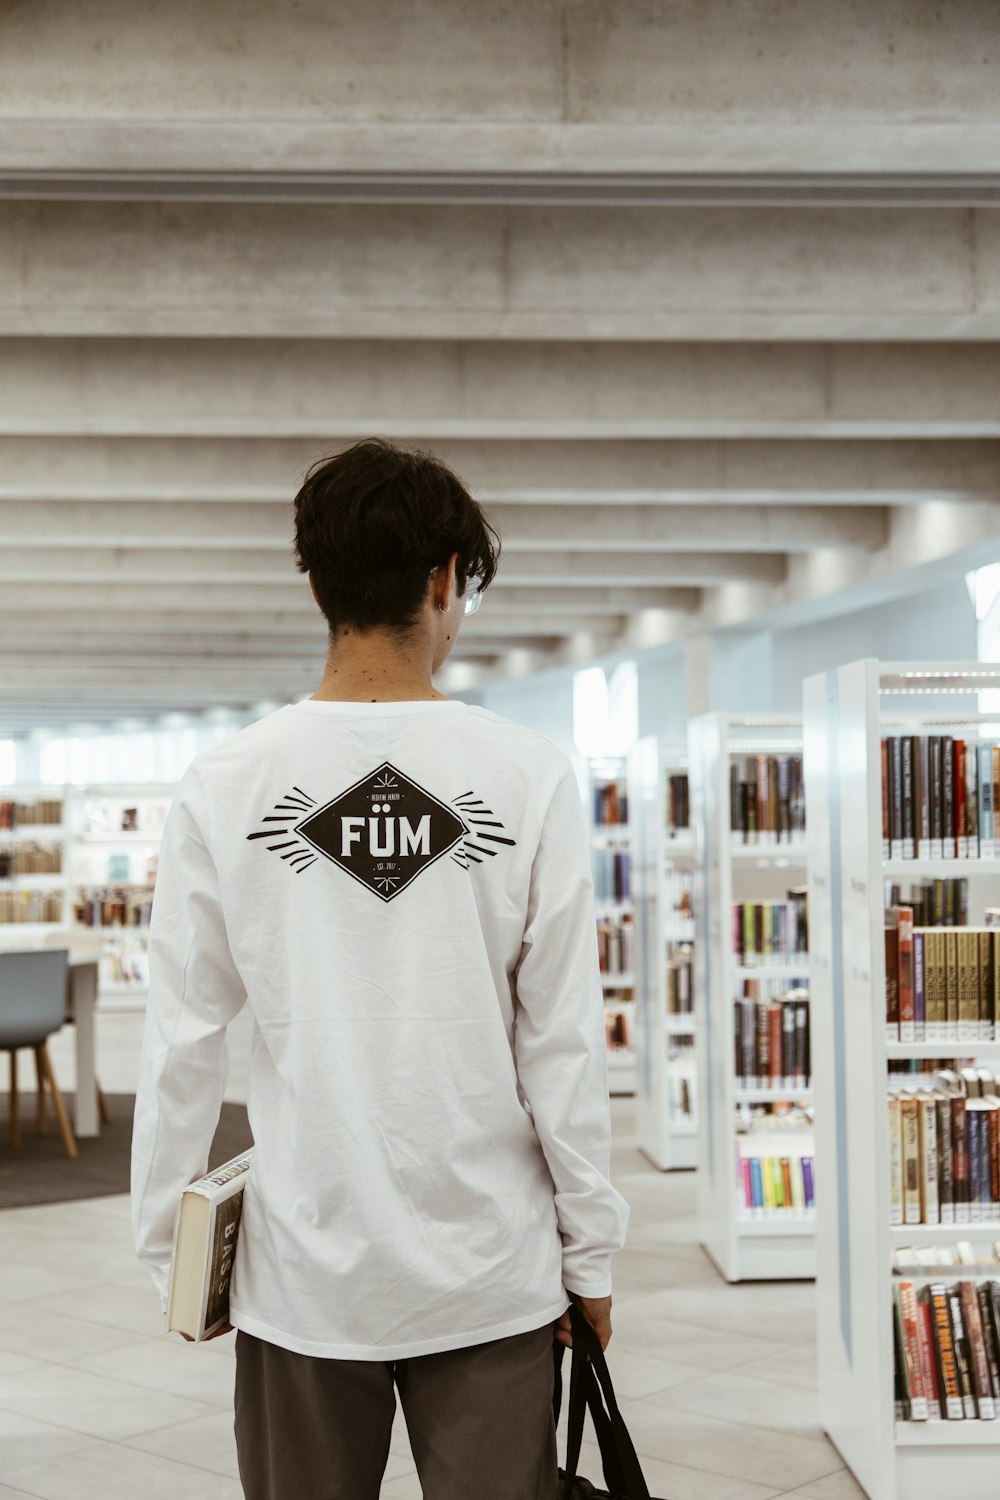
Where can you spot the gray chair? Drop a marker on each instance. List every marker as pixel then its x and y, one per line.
pixel 33 1006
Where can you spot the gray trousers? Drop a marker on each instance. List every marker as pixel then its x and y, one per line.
pixel 479 1420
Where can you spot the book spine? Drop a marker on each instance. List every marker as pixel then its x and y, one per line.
pixel 775 1023
pixel 911 1346
pixel 927 1124
pixel 896 805
pixel 989 1340
pixel 963 1358
pixel 960 1160
pixel 807 1183
pixel 961 821
pixel 947 797
pixel 892 976
pixel 934 794
pixel 907 1030
pixel 908 810
pixel 925 1336
pixel 911 1161
pixel 886 793
pixel 984 984
pixel 944 1349
pixel 951 975
pixel 973 1120
pixel 919 989
pixel 986 840
pixel 921 766
pixel 757 1184
pixel 972 800
pixel 946 1180
pixel 895 1161
pixel 967 949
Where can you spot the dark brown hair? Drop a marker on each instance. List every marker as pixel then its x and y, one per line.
pixel 370 524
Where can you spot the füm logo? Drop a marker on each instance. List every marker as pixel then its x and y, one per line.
pixel 383 831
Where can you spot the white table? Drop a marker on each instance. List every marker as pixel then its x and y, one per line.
pixel 81 1005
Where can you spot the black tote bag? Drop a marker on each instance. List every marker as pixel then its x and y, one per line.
pixel 590 1389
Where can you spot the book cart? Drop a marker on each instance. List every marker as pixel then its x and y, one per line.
pixel 611 857
pixel 747 1126
pixel 662 869
pixel 847 713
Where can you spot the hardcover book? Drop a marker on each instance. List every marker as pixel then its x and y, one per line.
pixel 205 1234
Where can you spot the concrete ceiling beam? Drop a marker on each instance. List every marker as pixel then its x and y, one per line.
pixel 572 570
pixel 314 391
pixel 677 528
pixel 432 271
pixel 50 467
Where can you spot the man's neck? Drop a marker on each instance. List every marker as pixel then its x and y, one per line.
pixel 377 666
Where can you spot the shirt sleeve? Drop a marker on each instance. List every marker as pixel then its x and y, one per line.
pixel 560 1046
pixel 194 992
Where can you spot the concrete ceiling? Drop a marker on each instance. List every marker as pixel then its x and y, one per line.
pixel 702 300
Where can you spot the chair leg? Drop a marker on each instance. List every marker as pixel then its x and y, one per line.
pixel 15 1123
pixel 42 1123
pixel 102 1107
pixel 65 1129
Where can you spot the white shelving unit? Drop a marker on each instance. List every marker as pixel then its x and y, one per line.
pixel 777 1247
pixel 619 983
pixel 846 713
pixel 14 932
pixel 665 1051
pixel 102 852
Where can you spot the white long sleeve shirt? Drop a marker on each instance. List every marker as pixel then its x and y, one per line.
pixel 401 893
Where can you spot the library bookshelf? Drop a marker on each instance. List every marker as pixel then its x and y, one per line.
pixel 611 858
pixel 772 1242
pixel 108 838
pixel 662 867
pixel 847 713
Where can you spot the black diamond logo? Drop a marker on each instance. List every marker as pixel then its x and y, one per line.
pixel 384 830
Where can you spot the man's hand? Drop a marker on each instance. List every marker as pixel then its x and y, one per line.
pixel 226 1328
pixel 596 1310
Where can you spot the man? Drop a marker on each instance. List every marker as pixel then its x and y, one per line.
pixel 399 885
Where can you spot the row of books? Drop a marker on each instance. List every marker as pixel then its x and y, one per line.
pixel 121 906
pixel 680 981
pixel 615 944
pixel 767 804
pixel 772 1042
pixel 42 810
pixel 939 797
pixel 610 805
pixel 944 1150
pixel 771 932
pixel 678 803
pixel 30 859
pixel 618 1029
pixel 779 1187
pixel 941 983
pixel 612 874
pixel 935 903
pixel 946 1339
pixel 30 906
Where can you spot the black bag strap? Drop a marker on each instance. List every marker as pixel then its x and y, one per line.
pixel 590 1386
pixel 602 1426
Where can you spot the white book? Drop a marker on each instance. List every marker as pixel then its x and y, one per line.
pixel 204 1249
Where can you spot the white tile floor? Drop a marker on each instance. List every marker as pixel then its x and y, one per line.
pixel 97 1403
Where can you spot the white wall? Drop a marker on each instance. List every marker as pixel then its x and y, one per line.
pixel 939 625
